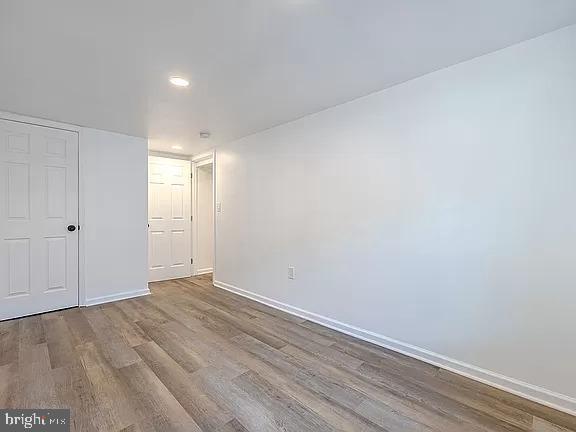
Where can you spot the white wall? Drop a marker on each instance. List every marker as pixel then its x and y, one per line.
pixel 440 213
pixel 205 258
pixel 113 169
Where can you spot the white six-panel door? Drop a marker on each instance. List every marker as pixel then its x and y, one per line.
pixel 169 200
pixel 38 201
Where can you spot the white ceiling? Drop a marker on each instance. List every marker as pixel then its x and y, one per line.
pixel 252 63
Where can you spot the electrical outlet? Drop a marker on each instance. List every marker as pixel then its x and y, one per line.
pixel 291 273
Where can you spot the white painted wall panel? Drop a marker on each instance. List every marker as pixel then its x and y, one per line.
pixel 114 171
pixel 439 212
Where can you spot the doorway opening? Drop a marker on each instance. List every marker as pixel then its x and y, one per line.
pixel 180 216
pixel 203 215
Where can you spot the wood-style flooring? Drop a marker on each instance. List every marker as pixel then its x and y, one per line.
pixel 192 357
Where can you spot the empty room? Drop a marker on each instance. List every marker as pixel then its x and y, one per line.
pixel 288 215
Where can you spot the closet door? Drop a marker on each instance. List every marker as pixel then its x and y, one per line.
pixel 38 219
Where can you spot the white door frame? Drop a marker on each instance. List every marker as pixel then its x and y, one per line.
pixel 198 161
pixel 4 115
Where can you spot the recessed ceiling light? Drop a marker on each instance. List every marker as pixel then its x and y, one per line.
pixel 204 134
pixel 179 81
pixel 177 147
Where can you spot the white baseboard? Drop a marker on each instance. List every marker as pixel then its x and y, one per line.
pixel 531 392
pixel 203 271
pixel 115 297
pixel 171 278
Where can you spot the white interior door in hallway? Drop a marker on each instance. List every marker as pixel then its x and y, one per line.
pixel 169 201
pixel 38 219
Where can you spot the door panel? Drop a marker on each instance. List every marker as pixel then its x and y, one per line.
pixel 55 192
pixel 169 218
pixel 56 262
pixel 18 190
pixel 19 266
pixel 38 255
pixel 179 252
pixel 178 201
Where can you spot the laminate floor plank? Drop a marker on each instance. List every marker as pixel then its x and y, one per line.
pixel 205 412
pixel 327 386
pixel 233 426
pixel 425 385
pixel 155 406
pixel 32 331
pixel 192 357
pixel 8 384
pixel 9 341
pixel 110 338
pixel 131 334
pixel 34 386
pixel 283 327
pixel 223 304
pixel 196 318
pixel 398 377
pixel 399 408
pixel 288 412
pixel 246 407
pixel 249 327
pixel 79 327
pixel 109 406
pixel 74 392
pixel 340 418
pixel 245 304
pixel 181 353
pixel 59 341
pixel 208 346
pixel 212 322
pixel 501 397
pixel 541 425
